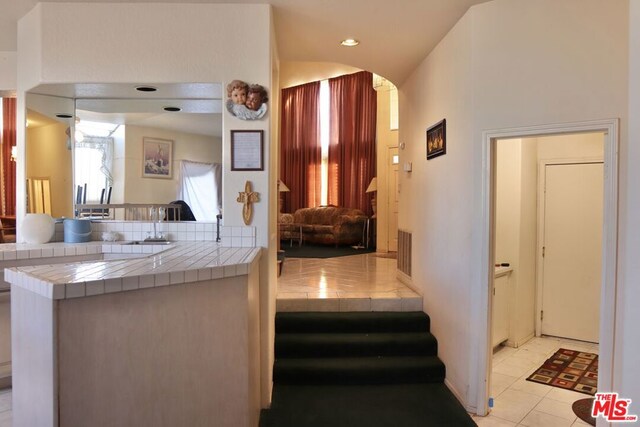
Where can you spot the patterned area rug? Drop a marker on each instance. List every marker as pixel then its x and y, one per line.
pixel 571 370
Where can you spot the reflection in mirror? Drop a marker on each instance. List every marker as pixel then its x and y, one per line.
pixel 48 155
pixel 108 129
pixel 140 153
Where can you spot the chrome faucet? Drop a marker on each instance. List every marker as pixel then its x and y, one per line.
pixel 218 219
pixel 157 215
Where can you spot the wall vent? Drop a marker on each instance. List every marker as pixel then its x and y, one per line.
pixel 404 252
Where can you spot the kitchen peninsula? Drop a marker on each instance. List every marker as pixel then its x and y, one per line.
pixel 142 335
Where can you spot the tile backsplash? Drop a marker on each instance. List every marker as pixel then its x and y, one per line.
pixel 235 236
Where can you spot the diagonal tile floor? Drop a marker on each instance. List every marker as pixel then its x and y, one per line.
pixel 518 402
pixel 353 283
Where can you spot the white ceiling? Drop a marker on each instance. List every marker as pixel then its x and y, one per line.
pixel 395 35
pixel 197 124
pixel 119 103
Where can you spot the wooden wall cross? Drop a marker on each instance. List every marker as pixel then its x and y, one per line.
pixel 248 198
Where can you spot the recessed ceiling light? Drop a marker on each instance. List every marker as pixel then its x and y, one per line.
pixel 64 116
pixel 172 109
pixel 146 88
pixel 350 42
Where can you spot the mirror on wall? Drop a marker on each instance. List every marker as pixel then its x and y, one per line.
pixel 48 155
pixel 137 145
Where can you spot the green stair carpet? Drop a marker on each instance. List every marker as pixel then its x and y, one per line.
pixel 359 369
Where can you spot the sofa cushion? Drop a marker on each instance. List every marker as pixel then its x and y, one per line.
pixel 324 215
pixel 331 224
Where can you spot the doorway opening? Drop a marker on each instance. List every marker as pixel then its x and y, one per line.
pixel 546 294
pixel 367 280
pixel 529 266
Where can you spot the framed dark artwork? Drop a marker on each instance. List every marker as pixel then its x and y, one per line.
pixel 437 139
pixel 247 148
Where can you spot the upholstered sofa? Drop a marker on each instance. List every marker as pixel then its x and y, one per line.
pixel 326 224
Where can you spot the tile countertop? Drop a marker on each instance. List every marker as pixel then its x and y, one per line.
pixel 141 266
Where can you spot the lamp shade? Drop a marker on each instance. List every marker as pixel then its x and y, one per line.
pixel 373 185
pixel 282 188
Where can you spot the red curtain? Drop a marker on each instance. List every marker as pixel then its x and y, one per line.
pixel 300 149
pixel 352 146
pixel 8 166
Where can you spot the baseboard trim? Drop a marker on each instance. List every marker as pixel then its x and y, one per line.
pixel 454 391
pixel 518 343
pixel 406 279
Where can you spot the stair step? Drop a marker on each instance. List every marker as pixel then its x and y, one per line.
pixel 405 405
pixel 359 370
pixel 352 322
pixel 302 345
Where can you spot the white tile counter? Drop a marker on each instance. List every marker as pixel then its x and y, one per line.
pixel 136 266
pixel 85 350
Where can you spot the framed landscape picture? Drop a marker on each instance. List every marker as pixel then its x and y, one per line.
pixel 157 158
pixel 437 139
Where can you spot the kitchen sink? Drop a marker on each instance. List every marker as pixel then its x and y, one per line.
pixel 148 242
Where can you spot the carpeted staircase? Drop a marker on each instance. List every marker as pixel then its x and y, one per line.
pixel 359 369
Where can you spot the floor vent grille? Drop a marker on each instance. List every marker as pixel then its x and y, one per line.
pixel 404 252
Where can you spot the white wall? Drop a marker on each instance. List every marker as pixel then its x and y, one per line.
pixel 508 195
pixel 508 241
pixel 59 44
pixel 507 63
pixel 385 138
pixel 294 73
pixel 523 315
pixel 515 240
pixel 627 372
pixel 436 197
pixel 197 148
pixel 578 146
pixel 8 66
pixel 268 293
pixel 145 43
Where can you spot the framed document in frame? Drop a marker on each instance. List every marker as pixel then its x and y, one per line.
pixel 247 147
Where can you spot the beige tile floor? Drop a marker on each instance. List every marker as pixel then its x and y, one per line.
pixel 518 402
pixel 353 283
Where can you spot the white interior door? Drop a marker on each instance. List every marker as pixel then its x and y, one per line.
pixel 393 199
pixel 572 248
